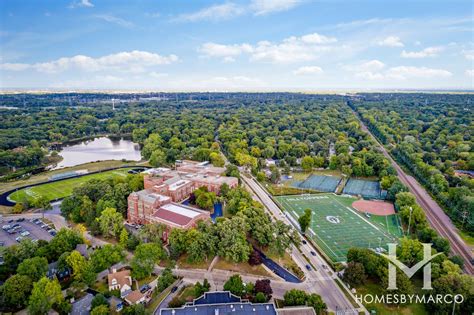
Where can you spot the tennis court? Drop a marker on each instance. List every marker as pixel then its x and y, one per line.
pixel 319 182
pixel 336 226
pixel 364 188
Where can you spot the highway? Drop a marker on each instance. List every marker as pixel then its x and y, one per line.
pixel 434 213
pixel 322 280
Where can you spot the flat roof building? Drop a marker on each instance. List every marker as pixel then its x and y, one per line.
pixel 221 303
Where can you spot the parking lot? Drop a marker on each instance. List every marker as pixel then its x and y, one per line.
pixel 13 231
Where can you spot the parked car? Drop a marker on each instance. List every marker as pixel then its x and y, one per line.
pixel 2 243
pixel 304 242
pixel 173 290
pixel 20 220
pixel 25 233
pixel 144 288
pixel 313 253
pixel 11 231
pixel 6 227
pixel 308 267
pixel 10 221
pixel 39 222
pixel 15 225
pixel 45 226
pixel 18 239
pixel 53 233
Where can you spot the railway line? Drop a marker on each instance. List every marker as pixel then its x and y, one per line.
pixel 434 213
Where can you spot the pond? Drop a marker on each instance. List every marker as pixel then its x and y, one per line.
pixel 98 149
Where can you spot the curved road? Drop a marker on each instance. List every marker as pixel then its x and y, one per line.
pixel 434 213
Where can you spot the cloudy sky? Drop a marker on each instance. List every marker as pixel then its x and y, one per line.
pixel 236 45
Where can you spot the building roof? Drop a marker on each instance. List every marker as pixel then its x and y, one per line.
pixel 148 196
pixel 221 303
pixel 122 277
pixel 82 306
pixel 296 310
pixel 176 214
pixel 134 296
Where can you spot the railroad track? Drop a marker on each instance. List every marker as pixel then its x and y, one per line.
pixel 436 217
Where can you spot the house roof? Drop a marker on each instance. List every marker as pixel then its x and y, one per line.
pixel 122 277
pixel 134 296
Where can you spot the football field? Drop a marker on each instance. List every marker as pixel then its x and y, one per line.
pixel 336 226
pixel 63 188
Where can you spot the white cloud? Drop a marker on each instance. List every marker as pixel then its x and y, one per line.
pixel 468 54
pixel 262 7
pixel 469 73
pixel 290 50
pixel 366 66
pixel 308 70
pixel 114 20
pixel 213 13
pixel 405 72
pixel 427 52
pixel 391 41
pixel 81 3
pixel 228 52
pixel 133 61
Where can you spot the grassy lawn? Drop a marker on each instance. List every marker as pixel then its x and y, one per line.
pixel 467 238
pixel 383 309
pixel 92 167
pixel 100 286
pixel 157 299
pixel 336 226
pixel 287 262
pixel 62 188
pixel 184 264
pixel 241 268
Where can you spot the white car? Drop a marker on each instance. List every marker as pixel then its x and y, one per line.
pixel 6 227
pixel 18 239
pixel 25 233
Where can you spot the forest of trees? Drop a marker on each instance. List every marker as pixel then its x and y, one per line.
pixel 431 135
pixel 247 127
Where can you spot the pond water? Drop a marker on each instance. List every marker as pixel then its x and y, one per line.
pixel 98 149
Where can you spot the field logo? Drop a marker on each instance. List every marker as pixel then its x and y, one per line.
pixel 394 263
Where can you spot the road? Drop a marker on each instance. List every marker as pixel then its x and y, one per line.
pixel 434 213
pixel 321 281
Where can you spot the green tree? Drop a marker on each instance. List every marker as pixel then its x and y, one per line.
pixel 98 300
pixel 146 255
pixel 235 285
pixel 354 274
pixel 83 270
pixel 45 294
pixel 157 158
pixel 35 268
pixel 123 238
pixel 110 222
pixel 100 310
pixel 233 243
pixel 15 291
pixel 307 163
pixel 294 297
pixel 305 220
pixel 165 280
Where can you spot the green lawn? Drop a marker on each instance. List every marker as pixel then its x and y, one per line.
pixel 62 188
pixel 336 226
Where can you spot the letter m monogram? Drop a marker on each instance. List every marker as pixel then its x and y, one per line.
pixel 394 263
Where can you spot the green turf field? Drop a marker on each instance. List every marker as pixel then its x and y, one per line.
pixel 62 188
pixel 336 226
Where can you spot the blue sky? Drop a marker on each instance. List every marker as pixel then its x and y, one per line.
pixel 236 45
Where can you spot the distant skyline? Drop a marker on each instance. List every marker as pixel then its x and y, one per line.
pixel 253 45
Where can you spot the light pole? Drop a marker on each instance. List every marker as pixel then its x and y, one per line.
pixel 409 220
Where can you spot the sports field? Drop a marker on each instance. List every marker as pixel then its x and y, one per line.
pixel 62 188
pixel 336 226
